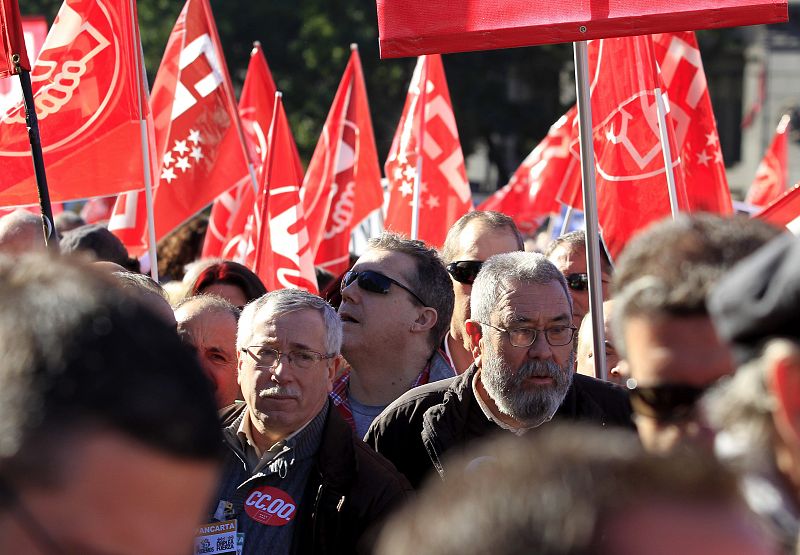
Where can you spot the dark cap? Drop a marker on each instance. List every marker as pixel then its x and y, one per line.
pixel 98 241
pixel 759 298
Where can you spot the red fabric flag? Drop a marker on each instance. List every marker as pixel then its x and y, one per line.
pixel 414 27
pixel 88 97
pixel 35 31
pixel 98 209
pixel 678 57
pixel 531 192
pixel 784 211
pixel 444 191
pixel 771 176
pixel 12 40
pixel 128 221
pixel 255 111
pixel 631 180
pixel 198 140
pixel 343 182
pixel 283 257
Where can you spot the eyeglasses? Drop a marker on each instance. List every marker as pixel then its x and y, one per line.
pixel 557 336
pixel 665 402
pixel 578 282
pixel 465 271
pixel 269 358
pixel 375 282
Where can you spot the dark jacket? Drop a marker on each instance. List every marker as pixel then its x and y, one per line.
pixel 422 425
pixel 352 487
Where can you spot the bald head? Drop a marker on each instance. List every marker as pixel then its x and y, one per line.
pixel 21 232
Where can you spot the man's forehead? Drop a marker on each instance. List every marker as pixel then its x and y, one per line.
pixel 533 302
pixel 478 241
pixel 298 326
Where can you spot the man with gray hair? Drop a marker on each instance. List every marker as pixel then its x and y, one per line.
pixel 521 336
pixel 21 232
pixel 295 480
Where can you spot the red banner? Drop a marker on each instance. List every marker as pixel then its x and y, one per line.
pixel 12 40
pixel 785 211
pixel 771 177
pixel 414 27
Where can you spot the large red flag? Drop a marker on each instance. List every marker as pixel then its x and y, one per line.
pixel 98 209
pixel 198 139
pixel 444 191
pixel 12 40
pixel 631 180
pixel 784 211
pixel 678 56
pixel 255 110
pixel 414 27
pixel 771 176
pixel 88 97
pixel 343 182
pixel 531 192
pixel 35 31
pixel 128 221
pixel 283 256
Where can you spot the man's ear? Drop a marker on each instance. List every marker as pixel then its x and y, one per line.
pixel 783 381
pixel 426 319
pixel 475 335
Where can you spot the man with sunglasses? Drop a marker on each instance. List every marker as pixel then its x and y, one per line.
pixel 661 324
pixel 521 335
pixel 295 480
pixel 476 236
pixel 397 302
pixel 568 253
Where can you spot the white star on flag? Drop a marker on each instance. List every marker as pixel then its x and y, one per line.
pixel 168 174
pixel 183 164
pixel 703 158
pixel 406 189
pixel 432 202
pixel 168 158
pixel 711 139
pixel 180 147
pixel 197 153
pixel 718 156
pixel 194 136
pixel 410 173
pixel 398 173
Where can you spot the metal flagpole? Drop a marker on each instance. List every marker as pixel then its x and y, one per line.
pixel 141 89
pixel 420 153
pixel 590 207
pixel 32 122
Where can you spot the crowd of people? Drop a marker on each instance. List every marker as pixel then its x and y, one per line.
pixel 428 401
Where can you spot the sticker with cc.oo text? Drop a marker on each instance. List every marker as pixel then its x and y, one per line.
pixel 270 506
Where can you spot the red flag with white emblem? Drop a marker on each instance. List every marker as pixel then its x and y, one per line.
pixel 198 140
pixel 631 179
pixel 681 65
pixel 34 30
pixel 531 193
pixel 784 211
pixel 89 100
pixel 771 176
pixel 12 40
pixel 343 182
pixel 255 111
pixel 444 190
pixel 283 256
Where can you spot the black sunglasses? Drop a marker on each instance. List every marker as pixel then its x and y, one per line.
pixel 578 282
pixel 375 282
pixel 666 402
pixel 465 271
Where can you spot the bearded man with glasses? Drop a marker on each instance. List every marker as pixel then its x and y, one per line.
pixel 521 335
pixel 396 306
pixel 295 480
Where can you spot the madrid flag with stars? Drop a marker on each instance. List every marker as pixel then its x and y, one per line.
pixel 198 140
pixel 444 192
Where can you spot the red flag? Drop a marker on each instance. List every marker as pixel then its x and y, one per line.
pixel 414 27
pixel 255 110
pixel 89 100
pixel 12 41
pixel 283 256
pixel 128 221
pixel 98 209
pixel 343 182
pixel 678 56
pixel 531 192
pixel 35 31
pixel 444 191
pixel 784 211
pixel 198 140
pixel 631 181
pixel 771 180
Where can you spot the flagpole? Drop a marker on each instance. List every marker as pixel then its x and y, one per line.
pixel 590 207
pixel 146 163
pixel 267 177
pixel 420 152
pixel 663 133
pixel 32 122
